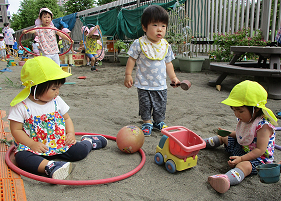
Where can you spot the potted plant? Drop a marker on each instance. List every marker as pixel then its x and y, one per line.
pixel 122 48
pixel 179 35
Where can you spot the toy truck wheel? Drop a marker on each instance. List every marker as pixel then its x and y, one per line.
pixel 170 166
pixel 159 160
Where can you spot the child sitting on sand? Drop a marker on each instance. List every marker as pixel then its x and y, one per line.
pixel 153 56
pixel 252 143
pixel 41 126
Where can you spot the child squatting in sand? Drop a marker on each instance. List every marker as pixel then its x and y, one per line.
pixel 39 122
pixel 153 56
pixel 252 143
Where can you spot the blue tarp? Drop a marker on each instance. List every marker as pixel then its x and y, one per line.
pixel 67 21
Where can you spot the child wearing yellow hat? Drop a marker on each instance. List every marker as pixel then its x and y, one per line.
pixel 40 124
pixel 252 143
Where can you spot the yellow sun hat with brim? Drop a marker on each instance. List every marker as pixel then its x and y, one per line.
pixel 36 71
pixel 250 93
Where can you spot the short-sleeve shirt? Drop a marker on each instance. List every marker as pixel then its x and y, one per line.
pixel 267 157
pixel 92 45
pixel 150 74
pixel 8 35
pixel 42 123
pixel 47 41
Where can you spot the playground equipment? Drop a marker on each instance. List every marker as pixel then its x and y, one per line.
pixel 178 148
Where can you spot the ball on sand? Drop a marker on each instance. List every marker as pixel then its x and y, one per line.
pixel 130 139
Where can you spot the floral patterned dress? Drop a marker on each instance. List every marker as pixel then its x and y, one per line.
pixel 48 129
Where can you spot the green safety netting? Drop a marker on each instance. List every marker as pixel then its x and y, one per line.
pixel 123 22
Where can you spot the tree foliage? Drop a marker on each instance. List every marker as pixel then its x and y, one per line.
pixel 29 11
pixel 101 2
pixel 73 6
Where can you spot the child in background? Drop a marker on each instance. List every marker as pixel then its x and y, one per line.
pixel 60 45
pixel 153 56
pixel 66 43
pixel 35 46
pixel 252 143
pixel 92 46
pixel 84 30
pixel 8 35
pixel 15 47
pixel 47 38
pixel 2 48
pixel 40 124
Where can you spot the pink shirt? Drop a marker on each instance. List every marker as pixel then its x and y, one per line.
pixel 47 41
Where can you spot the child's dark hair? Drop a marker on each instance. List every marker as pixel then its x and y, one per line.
pixel 6 24
pixel 251 108
pixel 43 87
pixel 154 13
pixel 45 13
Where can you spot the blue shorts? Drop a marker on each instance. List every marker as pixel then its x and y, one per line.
pixel 91 55
pixel 235 149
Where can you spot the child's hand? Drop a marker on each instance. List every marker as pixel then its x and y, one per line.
pixel 38 147
pixel 234 160
pixel 70 139
pixel 128 82
pixel 176 82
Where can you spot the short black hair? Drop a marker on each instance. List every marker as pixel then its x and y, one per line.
pixel 43 87
pixel 154 13
pixel 6 24
pixel 45 13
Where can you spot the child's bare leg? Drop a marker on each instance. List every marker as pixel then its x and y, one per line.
pixel 42 166
pixel 93 60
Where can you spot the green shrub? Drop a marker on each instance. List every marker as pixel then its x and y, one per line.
pixel 240 38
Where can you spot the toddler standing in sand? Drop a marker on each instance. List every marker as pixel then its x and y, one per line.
pixel 153 56
pixel 41 126
pixel 252 143
pixel 47 37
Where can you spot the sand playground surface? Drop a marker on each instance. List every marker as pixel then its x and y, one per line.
pixel 102 104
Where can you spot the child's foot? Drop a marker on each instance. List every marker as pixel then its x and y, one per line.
pixel 219 182
pixel 88 64
pixel 58 170
pixel 93 68
pixel 97 141
pixel 146 129
pixel 159 126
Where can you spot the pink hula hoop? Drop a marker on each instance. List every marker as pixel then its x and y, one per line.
pixel 44 28
pixel 74 182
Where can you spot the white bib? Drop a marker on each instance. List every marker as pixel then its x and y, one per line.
pixel 154 51
pixel 245 132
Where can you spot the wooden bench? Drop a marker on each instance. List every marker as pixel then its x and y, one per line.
pixel 274 75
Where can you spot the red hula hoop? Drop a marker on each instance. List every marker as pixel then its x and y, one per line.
pixel 53 28
pixel 74 182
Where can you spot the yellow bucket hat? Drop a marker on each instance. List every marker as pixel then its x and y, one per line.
pixel 250 93
pixel 36 71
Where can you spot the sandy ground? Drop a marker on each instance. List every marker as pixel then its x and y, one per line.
pixel 102 104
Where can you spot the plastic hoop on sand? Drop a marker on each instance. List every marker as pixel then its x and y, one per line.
pixel 74 182
pixel 55 29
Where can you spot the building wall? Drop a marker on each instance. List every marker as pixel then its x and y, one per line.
pixel 4 15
